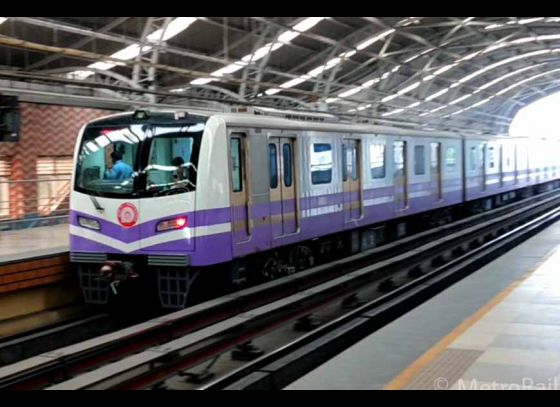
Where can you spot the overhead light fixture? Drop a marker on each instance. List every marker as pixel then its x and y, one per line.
pixel 272 91
pixel 293 82
pixel 229 68
pixel 388 98
pixel 176 26
pixel 437 94
pixel 453 102
pixel 349 92
pixel 307 23
pixel 263 51
pixel 201 81
pixel 392 112
pixel 530 20
pixel 408 88
pixel 287 36
pixel 335 61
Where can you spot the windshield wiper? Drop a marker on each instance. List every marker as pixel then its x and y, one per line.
pixel 96 203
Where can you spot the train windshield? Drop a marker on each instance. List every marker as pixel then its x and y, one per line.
pixel 173 159
pixel 107 159
pixel 138 160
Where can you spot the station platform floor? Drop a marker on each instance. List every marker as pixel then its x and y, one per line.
pixel 34 242
pixel 498 328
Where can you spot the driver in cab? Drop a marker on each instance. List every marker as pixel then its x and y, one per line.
pixel 119 170
pixel 180 173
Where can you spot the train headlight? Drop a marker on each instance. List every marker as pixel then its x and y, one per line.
pixel 89 223
pixel 172 224
pixel 140 115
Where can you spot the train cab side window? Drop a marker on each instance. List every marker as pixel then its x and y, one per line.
pixel 273 166
pixel 377 160
pixel 419 160
pixel 451 159
pixel 236 165
pixel 287 157
pixel 321 163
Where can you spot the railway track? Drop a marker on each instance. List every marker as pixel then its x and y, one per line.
pixel 89 324
pixel 389 280
pixel 295 359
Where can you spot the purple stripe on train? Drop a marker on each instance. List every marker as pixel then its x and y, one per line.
pixel 81 244
pixel 199 218
pixel 212 249
pixel 223 215
pixel 218 248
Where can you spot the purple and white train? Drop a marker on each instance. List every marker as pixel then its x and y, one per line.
pixel 259 196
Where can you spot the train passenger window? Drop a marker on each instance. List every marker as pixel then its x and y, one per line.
pixel 287 155
pixel 321 164
pixel 491 158
pixel 344 164
pixel 273 165
pixel 451 159
pixel 236 168
pixel 349 161
pixel 419 160
pixel 473 158
pixel 377 160
pixel 354 151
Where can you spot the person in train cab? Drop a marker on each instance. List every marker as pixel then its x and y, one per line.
pixel 119 170
pixel 181 173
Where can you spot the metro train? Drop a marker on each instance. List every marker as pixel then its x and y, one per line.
pixel 250 196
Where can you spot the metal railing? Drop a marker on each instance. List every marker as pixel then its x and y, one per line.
pixel 34 202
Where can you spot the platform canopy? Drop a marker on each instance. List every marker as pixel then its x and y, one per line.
pixel 439 72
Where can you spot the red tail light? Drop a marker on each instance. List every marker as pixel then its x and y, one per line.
pixel 171 224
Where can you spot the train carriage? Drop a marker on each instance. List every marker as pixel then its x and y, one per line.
pixel 242 194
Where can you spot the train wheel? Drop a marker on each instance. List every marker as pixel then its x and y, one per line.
pixel 301 257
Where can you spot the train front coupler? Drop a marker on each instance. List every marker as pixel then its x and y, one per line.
pixel 117 273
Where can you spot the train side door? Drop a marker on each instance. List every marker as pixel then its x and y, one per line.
pixel 435 168
pixel 351 179
pixel 283 199
pixel 289 197
pixel 241 225
pixel 400 175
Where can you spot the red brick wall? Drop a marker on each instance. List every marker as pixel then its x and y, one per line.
pixel 46 130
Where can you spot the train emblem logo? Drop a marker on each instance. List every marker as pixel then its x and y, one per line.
pixel 127 215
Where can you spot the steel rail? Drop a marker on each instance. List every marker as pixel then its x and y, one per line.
pixel 159 362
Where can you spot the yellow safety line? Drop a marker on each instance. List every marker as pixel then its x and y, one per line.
pixel 415 367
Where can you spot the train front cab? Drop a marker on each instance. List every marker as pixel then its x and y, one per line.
pixel 138 230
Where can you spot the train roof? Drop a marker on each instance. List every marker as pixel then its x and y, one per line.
pixel 251 120
pixel 275 122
